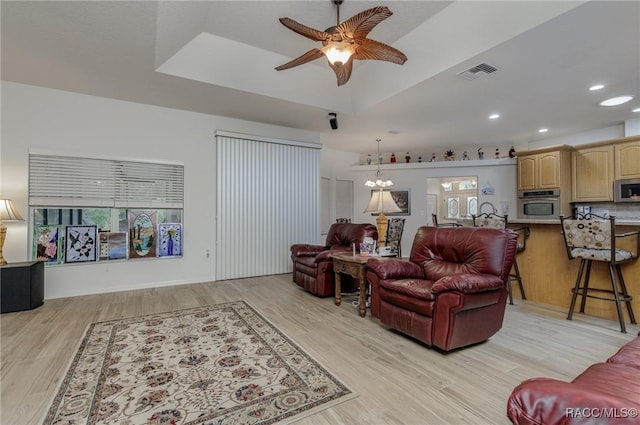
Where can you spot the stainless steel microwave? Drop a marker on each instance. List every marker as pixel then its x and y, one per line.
pixel 627 190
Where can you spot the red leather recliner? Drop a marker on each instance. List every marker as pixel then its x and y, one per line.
pixel 604 393
pixel 312 264
pixel 452 291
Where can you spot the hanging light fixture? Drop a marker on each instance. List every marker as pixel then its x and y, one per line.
pixel 381 201
pixel 345 42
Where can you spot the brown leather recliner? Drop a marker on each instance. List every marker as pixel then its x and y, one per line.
pixel 312 264
pixel 452 291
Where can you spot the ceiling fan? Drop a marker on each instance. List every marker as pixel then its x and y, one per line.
pixel 345 42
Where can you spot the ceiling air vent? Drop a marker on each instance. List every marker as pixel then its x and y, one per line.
pixel 478 71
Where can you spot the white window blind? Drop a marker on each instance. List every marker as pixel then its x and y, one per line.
pixel 70 181
pixel 267 199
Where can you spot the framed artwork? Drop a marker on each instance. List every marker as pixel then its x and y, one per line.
pixel 142 234
pixel 113 246
pixel 453 207
pixel 80 244
pixel 47 244
pixel 402 199
pixel 170 236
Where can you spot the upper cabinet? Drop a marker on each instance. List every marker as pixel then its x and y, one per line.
pixel 545 170
pixel 627 160
pixel 592 174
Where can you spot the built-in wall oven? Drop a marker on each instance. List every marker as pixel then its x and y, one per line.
pixel 539 203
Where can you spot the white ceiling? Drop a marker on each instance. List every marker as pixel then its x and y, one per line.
pixel 217 57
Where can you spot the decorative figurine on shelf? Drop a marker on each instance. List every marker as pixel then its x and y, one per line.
pixel 449 155
pixel 407 158
pixel 393 158
pixel 497 153
pixel 512 152
pixel 369 159
pixel 419 159
pixel 480 153
pixel 465 156
pixel 433 157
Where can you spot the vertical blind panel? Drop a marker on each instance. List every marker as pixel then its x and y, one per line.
pixel 62 181
pixel 267 199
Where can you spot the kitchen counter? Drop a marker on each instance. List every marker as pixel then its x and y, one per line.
pixel 549 276
pixel 619 221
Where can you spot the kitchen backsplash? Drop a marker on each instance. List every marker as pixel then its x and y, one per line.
pixel 622 211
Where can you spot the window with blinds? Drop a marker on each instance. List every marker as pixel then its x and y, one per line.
pixel 70 181
pixel 86 209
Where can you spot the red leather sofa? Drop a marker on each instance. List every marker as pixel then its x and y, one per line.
pixel 312 264
pixel 452 291
pixel 604 394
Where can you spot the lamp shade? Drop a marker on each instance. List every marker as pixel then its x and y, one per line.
pixel 382 201
pixel 8 211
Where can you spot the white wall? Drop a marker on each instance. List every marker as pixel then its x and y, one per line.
pixel 336 165
pixel 68 123
pixel 632 127
pixel 500 174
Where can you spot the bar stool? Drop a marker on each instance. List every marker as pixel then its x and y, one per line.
pixel 496 221
pixel 434 219
pixel 592 238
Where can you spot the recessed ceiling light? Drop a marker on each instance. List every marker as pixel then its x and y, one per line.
pixel 615 101
pixel 596 87
pixel 635 110
pixel 543 130
pixel 394 131
pixel 494 116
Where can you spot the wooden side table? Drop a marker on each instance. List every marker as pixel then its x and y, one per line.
pixel 356 266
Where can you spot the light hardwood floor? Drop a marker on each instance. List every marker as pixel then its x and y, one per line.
pixel 398 380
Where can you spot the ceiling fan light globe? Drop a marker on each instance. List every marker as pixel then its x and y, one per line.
pixel 338 53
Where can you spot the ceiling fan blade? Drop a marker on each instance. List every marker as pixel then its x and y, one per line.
pixel 343 72
pixel 311 55
pixel 304 30
pixel 374 50
pixel 358 26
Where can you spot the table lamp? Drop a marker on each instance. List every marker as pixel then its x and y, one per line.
pixel 7 213
pixel 382 202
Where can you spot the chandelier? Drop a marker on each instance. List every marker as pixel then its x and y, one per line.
pixel 379 180
pixel 381 201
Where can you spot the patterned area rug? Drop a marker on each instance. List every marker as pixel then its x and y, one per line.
pixel 221 364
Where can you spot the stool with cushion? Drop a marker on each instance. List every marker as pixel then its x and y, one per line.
pixel 592 238
pixel 434 219
pixel 495 221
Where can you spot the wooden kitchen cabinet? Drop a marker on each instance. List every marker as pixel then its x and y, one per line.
pixel 592 174
pixel 627 160
pixel 542 170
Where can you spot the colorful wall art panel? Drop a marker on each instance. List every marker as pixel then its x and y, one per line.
pixel 170 235
pixel 80 244
pixel 47 244
pixel 113 245
pixel 142 234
